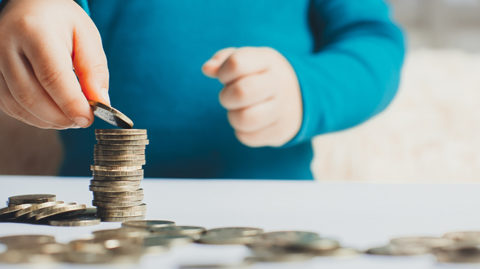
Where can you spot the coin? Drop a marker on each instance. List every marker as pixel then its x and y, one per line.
pixel 123 142
pixel 118 157
pixel 120 148
pixel 102 178
pixel 16 241
pixel 193 231
pixel 134 173
pixel 114 183
pixel 55 211
pixel 79 221
pixel 122 219
pixel 113 189
pixel 121 137
pixel 112 153
pixel 229 236
pixel 24 212
pixel 110 115
pixel 8 212
pixel 122 212
pixel 463 235
pixel 116 204
pixel 120 132
pixel 31 199
pixel 116 199
pixel 120 163
pixel 459 252
pixel 115 169
pixel 117 195
pixel 123 232
pixel 148 224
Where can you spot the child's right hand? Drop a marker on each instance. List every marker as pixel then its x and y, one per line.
pixel 41 43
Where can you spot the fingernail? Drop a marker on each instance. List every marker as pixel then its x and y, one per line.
pixel 81 121
pixel 211 61
pixel 105 96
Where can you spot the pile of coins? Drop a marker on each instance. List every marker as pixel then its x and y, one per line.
pixel 117 173
pixel 452 247
pixel 44 209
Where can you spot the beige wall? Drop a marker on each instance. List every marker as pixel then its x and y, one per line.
pixel 27 150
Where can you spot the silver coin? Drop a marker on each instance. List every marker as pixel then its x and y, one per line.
pixel 135 173
pixel 110 115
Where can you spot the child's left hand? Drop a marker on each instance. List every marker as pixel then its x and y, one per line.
pixel 261 93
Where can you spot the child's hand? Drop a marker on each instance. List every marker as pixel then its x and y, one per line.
pixel 41 43
pixel 261 93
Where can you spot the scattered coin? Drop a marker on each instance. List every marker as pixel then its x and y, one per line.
pixel 58 211
pixel 110 115
pixel 31 199
pixel 230 236
pixel 79 221
pixel 148 224
pixel 9 212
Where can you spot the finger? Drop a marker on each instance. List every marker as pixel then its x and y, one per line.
pixel 52 64
pixel 246 92
pixel 254 118
pixel 210 68
pixel 28 93
pixel 90 63
pixel 268 136
pixel 14 110
pixel 243 62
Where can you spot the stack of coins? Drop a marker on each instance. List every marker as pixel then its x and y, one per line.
pixel 117 173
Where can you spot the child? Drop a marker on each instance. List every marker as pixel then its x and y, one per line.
pixel 289 70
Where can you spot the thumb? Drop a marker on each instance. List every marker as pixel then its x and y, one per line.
pixel 211 67
pixel 90 64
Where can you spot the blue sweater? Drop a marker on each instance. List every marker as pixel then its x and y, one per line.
pixel 347 55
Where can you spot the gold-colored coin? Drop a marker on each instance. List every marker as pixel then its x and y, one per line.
pixel 103 178
pixel 55 211
pixel 115 183
pixel 120 148
pixel 24 212
pixel 97 168
pixel 121 137
pixel 122 219
pixel 18 241
pixel 118 157
pixel 9 211
pixel 84 221
pixel 31 199
pixel 148 224
pixel 123 142
pixel 120 132
pixel 113 189
pixel 116 195
pixel 116 204
pixel 116 164
pixel 112 153
pixel 135 173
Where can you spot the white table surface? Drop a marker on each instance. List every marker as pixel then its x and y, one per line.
pixel 360 215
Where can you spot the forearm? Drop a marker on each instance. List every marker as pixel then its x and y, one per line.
pixel 353 73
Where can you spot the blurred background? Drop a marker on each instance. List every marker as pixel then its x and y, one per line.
pixel 431 132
